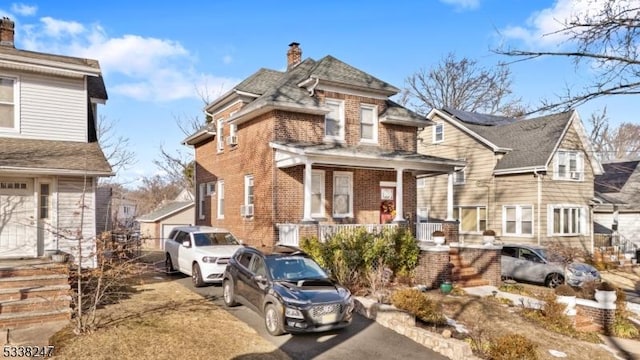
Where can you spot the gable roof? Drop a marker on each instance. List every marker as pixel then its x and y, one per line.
pixel 615 177
pixel 170 208
pixel 335 71
pixel 260 81
pixel 53 157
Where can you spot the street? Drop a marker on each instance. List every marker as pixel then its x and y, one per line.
pixel 363 339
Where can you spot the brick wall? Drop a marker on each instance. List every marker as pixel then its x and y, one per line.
pixel 485 260
pixel 433 268
pixel 450 229
pixel 604 318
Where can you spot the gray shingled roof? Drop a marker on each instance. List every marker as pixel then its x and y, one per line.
pixel 479 119
pixel 397 110
pixel 331 69
pixel 96 87
pixel 260 82
pixel 531 141
pixel 166 210
pixel 55 155
pixel 616 174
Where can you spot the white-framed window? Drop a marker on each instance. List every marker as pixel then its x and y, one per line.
pixel 459 177
pixel 220 134
pixel 438 132
pixel 342 194
pixel 45 196
pixel 368 123
pixel 567 220
pixel 8 103
pixel 220 199
pixel 517 220
pixel 202 192
pixel 317 193
pixel 334 120
pixel 422 214
pixel 568 165
pixel 421 183
pixel 473 219
pixel 210 188
pixel 248 189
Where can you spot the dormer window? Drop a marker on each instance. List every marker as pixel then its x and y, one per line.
pixel 334 120
pixel 438 133
pixel 568 165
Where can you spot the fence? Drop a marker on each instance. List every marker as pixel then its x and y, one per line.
pixel 424 230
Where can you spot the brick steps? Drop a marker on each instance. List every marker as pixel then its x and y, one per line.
pixel 23 319
pixel 31 270
pixel 472 282
pixel 33 281
pixel 464 274
pixel 20 293
pixel 34 304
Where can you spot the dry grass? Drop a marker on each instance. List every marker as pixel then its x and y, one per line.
pixel 164 320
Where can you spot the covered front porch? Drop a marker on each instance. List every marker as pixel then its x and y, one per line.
pixel 340 188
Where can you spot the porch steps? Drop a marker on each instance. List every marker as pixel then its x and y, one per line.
pixel 462 273
pixel 33 294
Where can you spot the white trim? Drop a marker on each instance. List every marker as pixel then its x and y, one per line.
pixel 323 190
pixel 341 120
pixel 374 119
pixel 434 132
pixel 49 65
pixel 166 215
pixel 459 125
pixel 387 184
pixel 421 183
pixel 248 179
pixel 569 175
pixel 455 177
pixel 215 114
pixel 202 189
pixel 477 208
pixel 220 135
pixel 518 220
pixel 322 85
pixel 582 219
pixel 349 175
pixel 16 105
pixel 220 209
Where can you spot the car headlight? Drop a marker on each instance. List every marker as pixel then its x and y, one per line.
pixel 575 272
pixel 345 293
pixel 209 259
pixel 293 313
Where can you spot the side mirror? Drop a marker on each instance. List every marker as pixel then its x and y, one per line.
pixel 259 278
pixel 186 243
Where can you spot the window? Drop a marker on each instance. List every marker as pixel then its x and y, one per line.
pixel 472 218
pixel 369 123
pixel 201 194
pixel 220 199
pixel 517 220
pixel 8 95
pixel 459 177
pixel 45 194
pixel 334 120
pixel 211 188
pixel 245 259
pixel 421 183
pixel 220 134
pixel 258 267
pixel 317 193
pixel 567 220
pixel 342 194
pixel 568 165
pixel 438 132
pixel 510 251
pixel 248 190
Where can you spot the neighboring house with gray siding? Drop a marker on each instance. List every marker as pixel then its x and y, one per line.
pixel 531 181
pixel 50 159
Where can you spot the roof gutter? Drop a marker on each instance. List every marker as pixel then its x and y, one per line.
pixel 51 171
pixel 199 137
pixel 533 169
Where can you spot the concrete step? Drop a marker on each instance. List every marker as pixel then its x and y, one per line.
pixel 20 320
pixel 31 270
pixel 35 304
pixel 33 281
pixel 48 292
pixel 471 282
pixel 463 271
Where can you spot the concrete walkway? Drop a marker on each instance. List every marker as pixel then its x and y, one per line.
pixel 621 348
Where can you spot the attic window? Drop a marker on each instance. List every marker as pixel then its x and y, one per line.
pixel 438 133
pixel 568 165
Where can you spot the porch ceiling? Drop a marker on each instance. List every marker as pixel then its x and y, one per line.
pixel 290 154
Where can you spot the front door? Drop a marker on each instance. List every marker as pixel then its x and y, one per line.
pixel 17 218
pixel 387 204
pixel 45 215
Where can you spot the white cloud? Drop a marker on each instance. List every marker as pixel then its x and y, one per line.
pixel 463 4
pixel 143 68
pixel 23 9
pixel 539 29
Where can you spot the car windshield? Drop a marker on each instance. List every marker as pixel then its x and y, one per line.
pixel 294 268
pixel 550 256
pixel 219 238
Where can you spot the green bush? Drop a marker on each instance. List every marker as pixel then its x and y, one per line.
pixel 417 304
pixel 512 346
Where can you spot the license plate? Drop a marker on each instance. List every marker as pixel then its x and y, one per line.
pixel 329 318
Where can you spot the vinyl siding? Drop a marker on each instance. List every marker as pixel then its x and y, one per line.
pixel 53 108
pixel 628 224
pixel 76 212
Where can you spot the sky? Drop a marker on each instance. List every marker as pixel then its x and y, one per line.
pixel 159 59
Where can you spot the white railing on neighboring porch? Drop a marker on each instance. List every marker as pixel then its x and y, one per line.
pixel 424 230
pixel 326 231
pixel 288 234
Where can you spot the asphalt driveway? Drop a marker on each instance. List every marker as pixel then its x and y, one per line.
pixel 364 339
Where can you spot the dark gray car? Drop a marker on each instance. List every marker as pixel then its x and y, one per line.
pixel 532 263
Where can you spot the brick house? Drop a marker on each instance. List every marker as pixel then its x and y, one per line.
pixel 292 153
pixel 530 180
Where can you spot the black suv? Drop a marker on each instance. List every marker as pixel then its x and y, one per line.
pixel 288 288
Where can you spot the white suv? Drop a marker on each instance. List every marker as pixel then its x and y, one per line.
pixel 200 251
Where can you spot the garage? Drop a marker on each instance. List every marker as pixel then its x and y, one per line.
pixel 18 230
pixel 157 225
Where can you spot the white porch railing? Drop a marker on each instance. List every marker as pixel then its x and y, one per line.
pixel 288 234
pixel 325 231
pixel 424 230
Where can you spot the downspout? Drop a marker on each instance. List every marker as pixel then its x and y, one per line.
pixel 312 89
pixel 539 178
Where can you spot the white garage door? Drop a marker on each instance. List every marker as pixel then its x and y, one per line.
pixel 17 224
pixel 166 229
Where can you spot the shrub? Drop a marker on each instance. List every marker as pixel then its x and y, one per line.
pixel 605 286
pixel 416 303
pixel 438 233
pixel 488 232
pixel 622 327
pixel 565 290
pixel 512 346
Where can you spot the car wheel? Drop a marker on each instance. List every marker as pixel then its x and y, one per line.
pixel 227 294
pixel 553 280
pixel 273 320
pixel 168 264
pixel 196 276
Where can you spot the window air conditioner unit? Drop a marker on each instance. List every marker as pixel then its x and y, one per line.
pixel 232 140
pixel 574 175
pixel 246 210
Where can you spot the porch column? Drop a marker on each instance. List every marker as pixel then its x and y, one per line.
pixel 399 197
pixel 450 197
pixel 307 192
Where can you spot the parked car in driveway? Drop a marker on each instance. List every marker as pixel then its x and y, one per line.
pixel 289 289
pixel 533 263
pixel 200 251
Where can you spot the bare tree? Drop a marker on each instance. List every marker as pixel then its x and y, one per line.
pixel 464 85
pixel 153 191
pixel 116 148
pixel 607 40
pixel 614 143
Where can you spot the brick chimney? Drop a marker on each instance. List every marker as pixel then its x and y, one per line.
pixel 294 55
pixel 6 32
